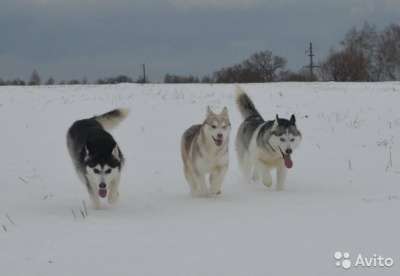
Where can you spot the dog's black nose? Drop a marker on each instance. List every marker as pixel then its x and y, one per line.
pixel 219 135
pixel 289 151
pixel 102 185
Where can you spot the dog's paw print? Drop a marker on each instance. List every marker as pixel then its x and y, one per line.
pixel 342 259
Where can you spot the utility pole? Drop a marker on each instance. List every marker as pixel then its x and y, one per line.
pixel 311 65
pixel 144 73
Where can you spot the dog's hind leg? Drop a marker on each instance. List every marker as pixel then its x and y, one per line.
pixel 246 167
pixel 281 173
pixel 216 179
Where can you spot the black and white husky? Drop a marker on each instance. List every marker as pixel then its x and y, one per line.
pixel 264 145
pixel 96 156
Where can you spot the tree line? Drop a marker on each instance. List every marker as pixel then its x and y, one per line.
pixel 364 54
pixel 35 79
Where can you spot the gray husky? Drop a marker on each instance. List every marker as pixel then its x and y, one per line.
pixel 96 156
pixel 204 149
pixel 264 145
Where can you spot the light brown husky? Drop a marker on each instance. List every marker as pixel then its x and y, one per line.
pixel 204 151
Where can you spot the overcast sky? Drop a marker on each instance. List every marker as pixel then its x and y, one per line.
pixel 96 38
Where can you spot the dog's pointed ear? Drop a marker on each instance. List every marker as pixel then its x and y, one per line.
pixel 293 120
pixel 115 153
pixel 209 111
pixel 86 154
pixel 276 122
pixel 225 111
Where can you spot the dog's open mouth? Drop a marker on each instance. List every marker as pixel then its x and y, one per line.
pixel 102 192
pixel 218 141
pixel 287 159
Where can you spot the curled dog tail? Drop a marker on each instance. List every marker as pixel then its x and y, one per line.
pixel 112 118
pixel 245 104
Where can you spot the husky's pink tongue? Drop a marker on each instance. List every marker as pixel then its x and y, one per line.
pixel 102 192
pixel 217 141
pixel 288 161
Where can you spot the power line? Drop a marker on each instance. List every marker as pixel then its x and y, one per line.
pixel 311 65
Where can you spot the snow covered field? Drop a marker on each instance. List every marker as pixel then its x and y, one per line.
pixel 343 193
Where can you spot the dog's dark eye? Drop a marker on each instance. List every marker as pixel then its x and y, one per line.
pixel 97 171
pixel 214 126
pixel 292 140
pixel 108 171
pixel 282 139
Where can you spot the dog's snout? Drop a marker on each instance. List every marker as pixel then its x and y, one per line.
pixel 102 185
pixel 219 135
pixel 289 151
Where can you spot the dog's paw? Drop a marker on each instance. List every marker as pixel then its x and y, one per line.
pixel 95 202
pixel 97 205
pixel 267 184
pixel 199 194
pixel 214 194
pixel 254 178
pixel 113 198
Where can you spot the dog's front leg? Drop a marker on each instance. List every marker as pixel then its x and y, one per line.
pixel 94 198
pixel 217 178
pixel 263 173
pixel 114 193
pixel 201 185
pixel 192 181
pixel 281 173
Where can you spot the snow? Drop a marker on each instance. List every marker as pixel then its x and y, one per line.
pixel 342 194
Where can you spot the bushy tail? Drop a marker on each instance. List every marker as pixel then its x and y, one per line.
pixel 112 118
pixel 245 105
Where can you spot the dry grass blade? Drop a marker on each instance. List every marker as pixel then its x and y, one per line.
pixel 10 220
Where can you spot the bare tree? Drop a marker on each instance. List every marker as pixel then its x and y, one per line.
pixel 169 78
pixel 357 59
pixel 35 78
pixel 265 65
pixel 302 75
pixel 115 80
pixel 345 65
pixel 17 81
pixel 73 82
pixel 236 73
pixel 206 79
pixel 50 81
pixel 389 52
pixel 260 67
pixel 364 42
